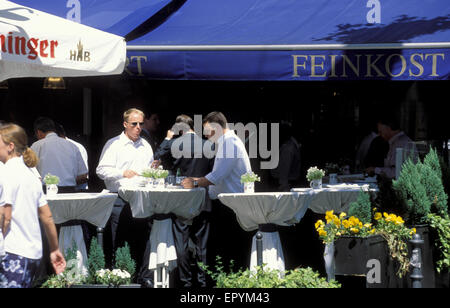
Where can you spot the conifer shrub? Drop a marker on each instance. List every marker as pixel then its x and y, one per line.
pixel 124 261
pixel 362 208
pixel 96 259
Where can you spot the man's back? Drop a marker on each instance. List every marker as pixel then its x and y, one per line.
pixel 59 157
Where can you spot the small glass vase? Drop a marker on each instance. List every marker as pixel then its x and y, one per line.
pixel 316 184
pixel 159 183
pixel 52 189
pixel 249 187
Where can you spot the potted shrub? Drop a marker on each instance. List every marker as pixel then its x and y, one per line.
pixel 421 191
pixel 314 175
pixel 97 275
pixel 352 241
pixel 156 176
pixel 51 184
pixel 249 179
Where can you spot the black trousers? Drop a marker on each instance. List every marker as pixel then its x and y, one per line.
pixel 123 228
pixel 198 232
pixel 227 239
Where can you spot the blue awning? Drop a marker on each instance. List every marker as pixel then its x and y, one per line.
pixel 115 16
pixel 276 39
pixel 298 40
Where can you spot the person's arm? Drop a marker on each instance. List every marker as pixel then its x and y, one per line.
pixel 5 218
pixel 56 257
pixel 201 182
pixel 107 169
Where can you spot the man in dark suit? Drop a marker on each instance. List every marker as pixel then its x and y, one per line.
pixel 187 155
pixel 150 130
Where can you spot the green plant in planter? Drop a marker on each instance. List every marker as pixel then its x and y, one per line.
pixel 51 179
pixel 412 192
pixel 124 261
pixel 267 278
pixel 362 208
pixel 96 260
pixel 442 227
pixel 71 275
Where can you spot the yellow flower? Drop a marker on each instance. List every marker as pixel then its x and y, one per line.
pixel 338 234
pixel 368 225
pixel 354 230
pixel 399 221
pixel 385 215
pixel 322 232
pixel 346 224
pixel 342 215
pixel 377 216
pixel 413 231
pixel 319 224
pixel 372 231
pixel 337 221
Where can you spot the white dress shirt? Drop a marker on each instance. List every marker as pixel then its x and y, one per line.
pixel 230 164
pixel 23 191
pixel 84 156
pixel 59 157
pixel 119 154
pixel 400 140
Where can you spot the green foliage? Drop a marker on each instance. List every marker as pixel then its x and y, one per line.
pixel 421 188
pixel 442 227
pixel 124 261
pixel 266 278
pixel 51 179
pixel 412 193
pixel 432 180
pixel 96 259
pixel 362 208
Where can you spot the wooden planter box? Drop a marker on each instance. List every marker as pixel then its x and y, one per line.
pixel 357 256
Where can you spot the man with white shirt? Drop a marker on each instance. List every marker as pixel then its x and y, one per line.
pixel 124 157
pixel 58 156
pixel 389 130
pixel 230 163
pixel 61 132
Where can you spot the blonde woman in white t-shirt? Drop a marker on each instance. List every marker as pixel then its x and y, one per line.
pixel 23 203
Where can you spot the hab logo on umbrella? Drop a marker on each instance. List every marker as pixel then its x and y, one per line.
pixel 80 54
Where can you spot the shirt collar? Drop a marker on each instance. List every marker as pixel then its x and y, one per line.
pixel 395 137
pixel 51 134
pixel 125 140
pixel 14 161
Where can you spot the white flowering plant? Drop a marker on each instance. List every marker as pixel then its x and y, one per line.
pixel 51 179
pixel 314 173
pixel 158 173
pixel 113 277
pixel 250 177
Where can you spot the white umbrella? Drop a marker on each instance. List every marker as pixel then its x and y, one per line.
pixel 37 44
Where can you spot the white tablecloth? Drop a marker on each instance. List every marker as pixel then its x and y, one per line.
pixel 333 197
pixel 94 208
pixel 145 202
pixel 254 209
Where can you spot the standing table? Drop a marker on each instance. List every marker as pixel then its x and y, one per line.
pixel 263 212
pixel 94 208
pixel 160 203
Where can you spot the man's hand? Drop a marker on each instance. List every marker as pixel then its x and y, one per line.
pixel 188 183
pixel 129 174
pixel 58 261
pixel 155 164
pixel 170 134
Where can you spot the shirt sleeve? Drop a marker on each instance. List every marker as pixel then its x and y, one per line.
pixel 106 169
pixel 82 168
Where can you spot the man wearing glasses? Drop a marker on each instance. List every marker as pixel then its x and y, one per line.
pixel 124 157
